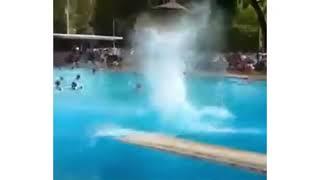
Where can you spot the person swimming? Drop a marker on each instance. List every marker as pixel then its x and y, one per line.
pixel 94 70
pixel 75 85
pixel 57 84
pixel 138 87
pixel 78 77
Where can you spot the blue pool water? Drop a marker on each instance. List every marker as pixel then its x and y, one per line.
pixel 224 111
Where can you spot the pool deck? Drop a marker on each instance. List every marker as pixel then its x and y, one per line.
pixel 243 159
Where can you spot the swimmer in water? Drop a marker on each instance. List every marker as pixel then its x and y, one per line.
pixel 57 84
pixel 78 77
pixel 94 70
pixel 61 78
pixel 75 85
pixel 138 86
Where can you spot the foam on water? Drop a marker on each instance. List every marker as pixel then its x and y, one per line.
pixel 205 127
pixel 112 130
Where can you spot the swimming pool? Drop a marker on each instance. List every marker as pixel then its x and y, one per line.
pixel 222 111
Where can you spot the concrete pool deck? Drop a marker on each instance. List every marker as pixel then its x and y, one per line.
pixel 243 159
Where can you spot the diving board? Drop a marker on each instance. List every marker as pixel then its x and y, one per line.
pixel 89 37
pixel 239 158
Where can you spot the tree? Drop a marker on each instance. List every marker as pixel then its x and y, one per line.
pixel 260 8
pixel 123 11
pixel 59 16
pixel 261 19
pixel 84 15
pixel 73 15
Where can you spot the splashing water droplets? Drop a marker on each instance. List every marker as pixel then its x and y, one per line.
pixel 162 50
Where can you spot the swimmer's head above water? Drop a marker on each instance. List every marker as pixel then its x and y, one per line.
pixel 74 85
pixel 57 83
pixel 138 86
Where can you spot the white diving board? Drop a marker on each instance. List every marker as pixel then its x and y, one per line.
pixel 89 37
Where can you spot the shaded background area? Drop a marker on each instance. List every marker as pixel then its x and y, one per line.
pixel 241 27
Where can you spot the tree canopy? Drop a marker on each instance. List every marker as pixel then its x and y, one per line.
pixel 97 16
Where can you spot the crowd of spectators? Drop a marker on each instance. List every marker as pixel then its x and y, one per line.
pixel 245 63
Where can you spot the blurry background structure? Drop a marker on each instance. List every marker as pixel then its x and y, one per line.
pixel 244 20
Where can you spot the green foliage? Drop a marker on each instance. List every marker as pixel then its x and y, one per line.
pixel 243 38
pixel 84 13
pixel 244 34
pixel 123 11
pixel 96 16
pixel 246 16
pixel 59 16
pixel 80 15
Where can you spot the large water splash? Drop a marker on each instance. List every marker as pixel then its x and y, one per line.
pixel 165 50
pixel 163 69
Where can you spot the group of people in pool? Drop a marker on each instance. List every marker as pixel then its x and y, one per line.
pixel 75 84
